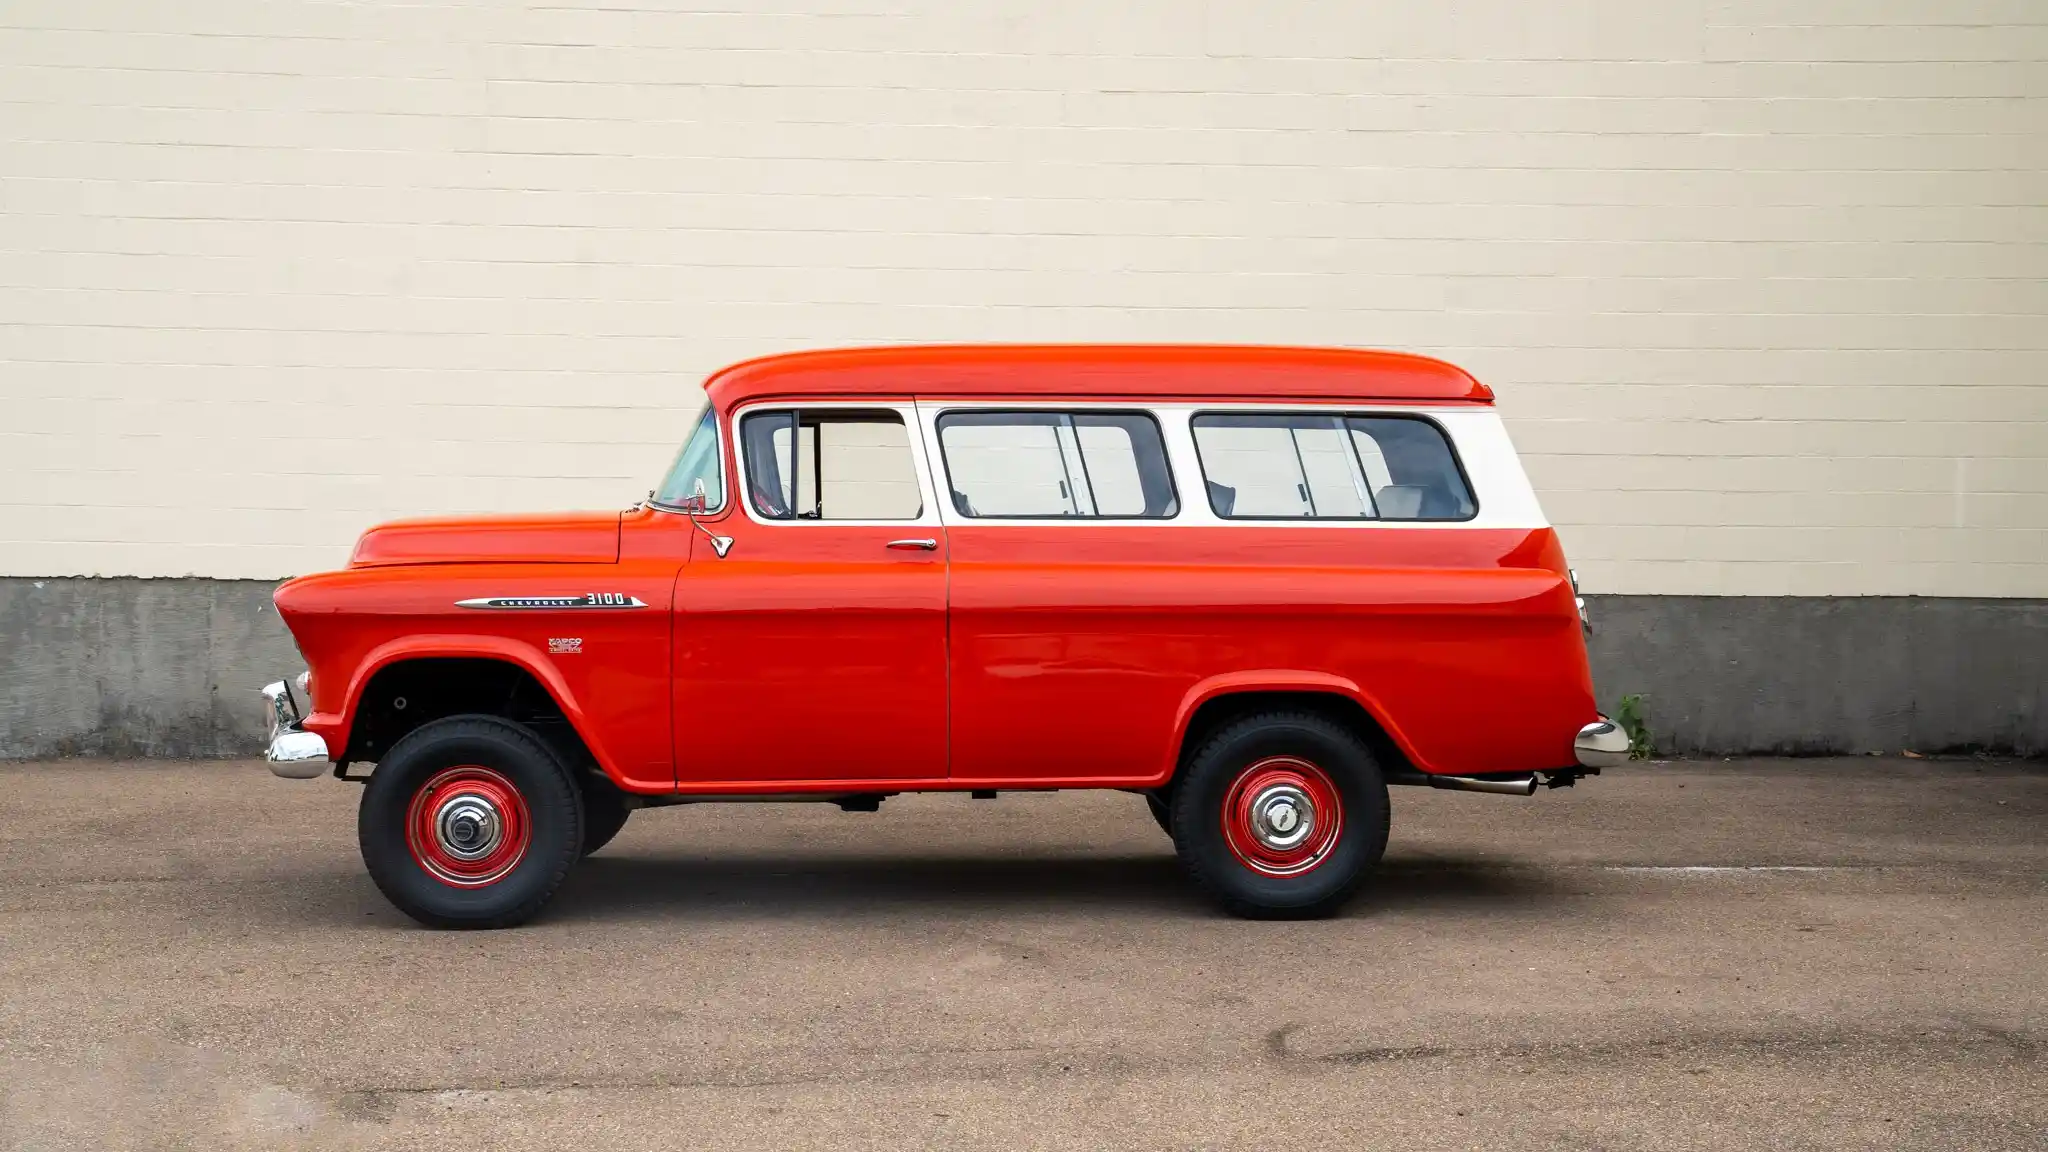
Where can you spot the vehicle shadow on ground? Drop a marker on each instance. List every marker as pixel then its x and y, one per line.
pixel 605 888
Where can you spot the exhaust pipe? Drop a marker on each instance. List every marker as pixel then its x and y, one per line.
pixel 1518 786
pixel 1506 786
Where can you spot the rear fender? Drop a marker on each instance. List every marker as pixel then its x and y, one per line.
pixel 1276 680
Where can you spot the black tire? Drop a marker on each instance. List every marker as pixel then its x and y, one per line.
pixel 1324 880
pixel 604 813
pixel 500 751
pixel 1162 812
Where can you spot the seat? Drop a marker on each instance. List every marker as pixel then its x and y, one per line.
pixel 1400 501
pixel 1222 497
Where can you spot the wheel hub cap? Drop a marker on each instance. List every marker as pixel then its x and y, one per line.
pixel 1282 816
pixel 468 827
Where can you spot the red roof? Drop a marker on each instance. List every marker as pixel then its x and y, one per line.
pixel 1154 371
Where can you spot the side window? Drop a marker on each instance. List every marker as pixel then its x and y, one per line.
pixel 1412 469
pixel 830 465
pixel 1329 467
pixel 1057 465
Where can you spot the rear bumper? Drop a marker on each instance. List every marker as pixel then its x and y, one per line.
pixel 1601 744
pixel 293 753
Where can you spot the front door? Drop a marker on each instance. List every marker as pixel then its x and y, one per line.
pixel 815 648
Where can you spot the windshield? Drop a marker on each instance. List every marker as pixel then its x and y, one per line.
pixel 697 461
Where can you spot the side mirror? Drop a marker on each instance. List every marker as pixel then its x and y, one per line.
pixel 693 505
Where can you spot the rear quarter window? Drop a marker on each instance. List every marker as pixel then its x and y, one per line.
pixel 1330 466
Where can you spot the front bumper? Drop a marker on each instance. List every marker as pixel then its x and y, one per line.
pixel 1602 744
pixel 294 753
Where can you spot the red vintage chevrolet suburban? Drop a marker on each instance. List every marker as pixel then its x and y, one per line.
pixel 1255 586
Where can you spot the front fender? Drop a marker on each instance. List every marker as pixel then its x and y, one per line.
pixel 606 670
pixel 335 727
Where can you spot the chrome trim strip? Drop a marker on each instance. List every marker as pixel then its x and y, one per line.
pixel 607 600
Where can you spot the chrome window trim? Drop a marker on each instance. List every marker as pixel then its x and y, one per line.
pixel 905 410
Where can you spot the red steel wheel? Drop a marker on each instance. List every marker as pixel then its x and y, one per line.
pixel 1281 816
pixel 468 826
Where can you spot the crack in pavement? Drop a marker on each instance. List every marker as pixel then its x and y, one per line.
pixel 1961 1036
pixel 1956 1036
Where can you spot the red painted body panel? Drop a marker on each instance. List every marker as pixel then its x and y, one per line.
pixel 1158 371
pixel 560 538
pixel 812 651
pixel 813 658
pixel 614 689
pixel 1083 650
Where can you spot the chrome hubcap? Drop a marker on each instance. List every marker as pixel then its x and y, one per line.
pixel 468 826
pixel 1283 817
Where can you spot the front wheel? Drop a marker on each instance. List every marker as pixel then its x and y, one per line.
pixel 470 822
pixel 1281 815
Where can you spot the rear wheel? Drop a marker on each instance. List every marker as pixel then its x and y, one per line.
pixel 1281 816
pixel 470 822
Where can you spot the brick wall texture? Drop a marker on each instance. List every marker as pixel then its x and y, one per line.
pixel 1763 284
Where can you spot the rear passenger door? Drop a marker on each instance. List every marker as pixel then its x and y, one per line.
pixel 1057 522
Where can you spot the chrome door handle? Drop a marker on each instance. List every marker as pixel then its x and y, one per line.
pixel 924 545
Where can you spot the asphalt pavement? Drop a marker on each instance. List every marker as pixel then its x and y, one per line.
pixel 1765 954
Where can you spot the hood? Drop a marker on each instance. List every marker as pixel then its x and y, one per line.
pixel 556 538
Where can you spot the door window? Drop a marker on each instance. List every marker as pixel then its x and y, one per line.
pixel 830 464
pixel 1039 465
pixel 1330 467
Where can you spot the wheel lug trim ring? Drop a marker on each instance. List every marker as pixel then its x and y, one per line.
pixel 1281 816
pixel 468 826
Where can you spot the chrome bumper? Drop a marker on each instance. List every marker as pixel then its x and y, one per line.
pixel 294 753
pixel 1602 744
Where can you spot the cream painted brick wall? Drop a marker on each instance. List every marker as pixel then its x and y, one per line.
pixel 1763 284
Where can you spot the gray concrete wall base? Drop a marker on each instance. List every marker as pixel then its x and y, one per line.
pixel 137 668
pixel 169 668
pixel 1811 675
